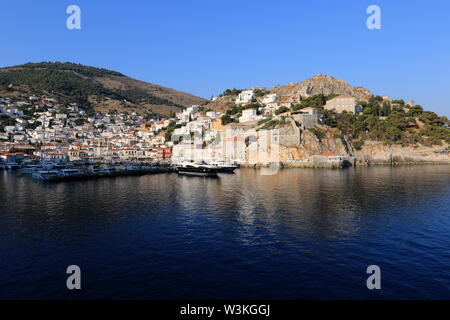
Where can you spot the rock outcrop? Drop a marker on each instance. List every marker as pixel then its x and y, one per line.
pixel 378 153
pixel 320 84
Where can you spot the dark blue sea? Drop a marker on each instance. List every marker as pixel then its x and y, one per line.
pixel 299 234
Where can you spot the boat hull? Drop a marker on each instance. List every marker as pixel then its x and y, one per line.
pixel 197 171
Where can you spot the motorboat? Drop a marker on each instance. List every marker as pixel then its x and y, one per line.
pixel 223 167
pixel 196 169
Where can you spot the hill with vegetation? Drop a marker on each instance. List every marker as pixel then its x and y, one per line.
pixel 390 122
pixel 382 119
pixel 99 89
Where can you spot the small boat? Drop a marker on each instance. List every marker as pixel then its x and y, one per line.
pixel 195 169
pixel 12 166
pixel 73 173
pixel 98 172
pixel 30 168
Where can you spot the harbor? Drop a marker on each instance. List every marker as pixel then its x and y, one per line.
pixel 58 172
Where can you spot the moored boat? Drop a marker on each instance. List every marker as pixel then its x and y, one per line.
pixel 73 173
pixel 195 169
pixel 47 175
pixel 223 167
pixel 12 165
pixel 30 168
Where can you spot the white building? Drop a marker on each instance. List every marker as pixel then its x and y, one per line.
pixel 190 150
pixel 212 114
pixel 9 129
pixel 249 115
pixel 246 96
pixel 61 116
pixel 189 114
pixel 192 110
pixel 21 121
pixel 270 98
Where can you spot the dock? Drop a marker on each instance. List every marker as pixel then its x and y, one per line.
pixel 70 172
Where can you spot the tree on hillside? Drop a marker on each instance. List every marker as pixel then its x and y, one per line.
pixel 226 119
pixel 281 110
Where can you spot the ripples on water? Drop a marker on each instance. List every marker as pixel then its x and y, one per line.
pixel 298 234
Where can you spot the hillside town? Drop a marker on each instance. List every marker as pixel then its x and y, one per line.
pixel 41 128
pixel 258 127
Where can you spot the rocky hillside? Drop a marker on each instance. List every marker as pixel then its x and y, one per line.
pixel 96 88
pixel 320 84
pixel 296 92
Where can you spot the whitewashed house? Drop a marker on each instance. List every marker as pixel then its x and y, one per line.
pixel 212 114
pixel 246 96
pixel 270 98
pixel 61 116
pixel 21 121
pixel 249 115
pixel 9 129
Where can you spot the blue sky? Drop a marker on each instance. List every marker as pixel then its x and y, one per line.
pixel 205 46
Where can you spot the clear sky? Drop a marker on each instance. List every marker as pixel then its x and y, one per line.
pixel 206 46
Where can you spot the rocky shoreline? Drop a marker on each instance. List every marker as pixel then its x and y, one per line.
pixel 302 149
pixel 349 164
pixel 356 164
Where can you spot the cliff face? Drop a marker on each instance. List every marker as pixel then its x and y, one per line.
pixel 320 84
pixel 310 145
pixel 295 144
pixel 298 147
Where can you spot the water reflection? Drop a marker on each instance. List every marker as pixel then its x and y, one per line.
pixel 167 229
